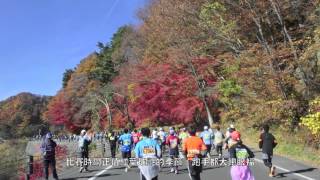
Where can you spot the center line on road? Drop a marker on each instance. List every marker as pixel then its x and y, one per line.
pixel 287 170
pixel 99 173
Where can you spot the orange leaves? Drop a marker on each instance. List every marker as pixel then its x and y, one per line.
pixel 87 64
pixel 19 112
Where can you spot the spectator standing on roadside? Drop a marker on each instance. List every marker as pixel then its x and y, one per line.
pixel 83 144
pixel 48 152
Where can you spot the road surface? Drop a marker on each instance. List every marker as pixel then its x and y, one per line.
pixel 286 170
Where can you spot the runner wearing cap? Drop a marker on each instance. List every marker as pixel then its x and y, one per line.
pixel 194 148
pixel 173 141
pixel 239 157
pixel 207 136
pixel 126 142
pixel 228 140
pixel 162 139
pixel 155 134
pixel 218 141
pixel 183 135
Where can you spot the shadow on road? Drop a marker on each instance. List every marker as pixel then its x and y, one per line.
pixel 257 151
pixel 103 175
pixel 213 167
pixel 282 175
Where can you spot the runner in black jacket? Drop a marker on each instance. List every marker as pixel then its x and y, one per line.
pixel 113 144
pixel 267 143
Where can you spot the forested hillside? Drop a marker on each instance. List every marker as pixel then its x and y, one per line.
pixel 203 62
pixel 21 115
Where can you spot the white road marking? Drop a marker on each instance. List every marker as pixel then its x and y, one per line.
pixel 287 170
pixel 180 155
pixel 278 167
pixel 99 173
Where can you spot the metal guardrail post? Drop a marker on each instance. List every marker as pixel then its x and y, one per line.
pixel 29 167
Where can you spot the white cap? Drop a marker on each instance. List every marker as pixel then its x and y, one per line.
pixel 171 131
pixel 160 129
pixel 232 126
pixel 205 127
pixel 83 131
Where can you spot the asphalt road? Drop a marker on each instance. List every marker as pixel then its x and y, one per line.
pixel 286 170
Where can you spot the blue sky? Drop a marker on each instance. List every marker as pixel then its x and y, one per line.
pixel 39 39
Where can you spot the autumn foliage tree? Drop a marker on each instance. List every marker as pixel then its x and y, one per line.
pixel 193 61
pixel 69 106
pixel 161 94
pixel 21 115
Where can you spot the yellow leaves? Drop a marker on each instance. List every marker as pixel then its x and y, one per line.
pixel 131 86
pixel 213 18
pixel 316 102
pixel 313 45
pixel 131 95
pixel 87 64
pixel 312 120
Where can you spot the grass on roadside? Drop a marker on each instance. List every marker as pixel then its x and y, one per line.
pixel 12 157
pixel 288 145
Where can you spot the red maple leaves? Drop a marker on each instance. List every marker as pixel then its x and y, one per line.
pixel 163 94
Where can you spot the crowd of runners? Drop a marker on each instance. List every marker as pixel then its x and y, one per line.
pixel 174 143
pixel 98 136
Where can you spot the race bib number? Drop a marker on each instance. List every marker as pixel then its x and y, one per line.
pixel 242 153
pixel 173 143
pixel 193 152
pixel 207 136
pixel 126 142
pixel 149 150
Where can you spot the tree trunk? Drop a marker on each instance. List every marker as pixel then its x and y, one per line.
pixel 267 49
pixel 109 113
pixel 210 119
pixel 195 74
pixel 106 105
pixel 300 72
